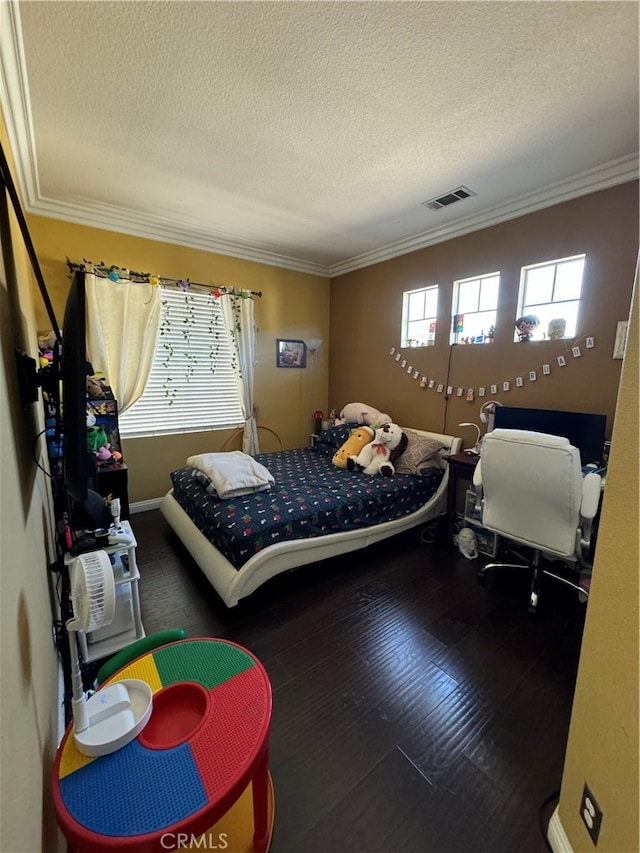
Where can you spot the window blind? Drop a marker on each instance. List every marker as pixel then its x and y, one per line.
pixel 192 386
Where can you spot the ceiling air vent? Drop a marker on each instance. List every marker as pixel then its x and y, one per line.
pixel 448 198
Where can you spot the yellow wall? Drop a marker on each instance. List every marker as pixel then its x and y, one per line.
pixel 28 683
pixel 293 305
pixel 366 311
pixel 603 748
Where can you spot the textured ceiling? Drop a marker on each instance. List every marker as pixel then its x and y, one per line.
pixel 309 133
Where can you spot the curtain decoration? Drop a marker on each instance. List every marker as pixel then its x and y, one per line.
pixel 116 274
pixel 239 323
pixel 123 325
pixel 122 333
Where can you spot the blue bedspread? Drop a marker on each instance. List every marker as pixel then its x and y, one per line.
pixel 310 497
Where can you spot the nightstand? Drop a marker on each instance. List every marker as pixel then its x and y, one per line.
pixel 461 467
pixel 126 626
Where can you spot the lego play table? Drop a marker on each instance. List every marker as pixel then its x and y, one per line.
pixel 206 742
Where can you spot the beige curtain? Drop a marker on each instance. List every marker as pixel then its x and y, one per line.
pixel 239 321
pixel 123 322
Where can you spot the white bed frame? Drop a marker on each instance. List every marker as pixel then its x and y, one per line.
pixel 232 584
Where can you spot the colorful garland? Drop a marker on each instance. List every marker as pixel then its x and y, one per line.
pixel 115 274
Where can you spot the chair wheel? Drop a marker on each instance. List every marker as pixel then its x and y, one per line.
pixel 533 603
pixel 480 576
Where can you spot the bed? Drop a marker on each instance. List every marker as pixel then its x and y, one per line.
pixel 312 511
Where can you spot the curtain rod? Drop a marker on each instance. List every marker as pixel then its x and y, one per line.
pixel 117 273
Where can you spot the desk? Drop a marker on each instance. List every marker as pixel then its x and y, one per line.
pixel 461 467
pixel 206 740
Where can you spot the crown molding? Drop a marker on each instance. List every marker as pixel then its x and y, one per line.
pixel 14 98
pixel 134 223
pixel 611 174
pixel 16 107
pixel 14 94
pixel 151 227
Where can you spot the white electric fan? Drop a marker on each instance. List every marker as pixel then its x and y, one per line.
pixel 114 714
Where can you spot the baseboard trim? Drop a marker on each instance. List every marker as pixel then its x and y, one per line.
pixel 144 506
pixel 556 835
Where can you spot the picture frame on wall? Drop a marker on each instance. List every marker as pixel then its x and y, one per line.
pixel 291 353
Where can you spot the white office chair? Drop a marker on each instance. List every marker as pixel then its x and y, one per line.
pixel 531 491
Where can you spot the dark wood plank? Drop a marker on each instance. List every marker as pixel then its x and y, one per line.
pixel 413 710
pixel 395 809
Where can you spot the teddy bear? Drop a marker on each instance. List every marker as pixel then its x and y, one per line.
pixel 375 457
pixel 352 446
pixel 95 391
pixel 97 387
pixel 360 413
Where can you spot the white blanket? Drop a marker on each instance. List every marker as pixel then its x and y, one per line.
pixel 233 473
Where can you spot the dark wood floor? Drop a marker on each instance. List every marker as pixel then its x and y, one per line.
pixel 414 710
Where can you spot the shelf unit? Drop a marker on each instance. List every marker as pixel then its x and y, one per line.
pixel 112 480
pixel 127 622
pixel 487 540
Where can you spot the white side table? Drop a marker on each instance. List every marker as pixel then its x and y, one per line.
pixel 127 621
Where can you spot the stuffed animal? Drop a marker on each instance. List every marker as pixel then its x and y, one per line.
pixel 95 391
pixel 352 446
pixel 360 413
pixel 46 343
pixel 96 438
pixel 98 388
pixel 104 454
pixel 375 457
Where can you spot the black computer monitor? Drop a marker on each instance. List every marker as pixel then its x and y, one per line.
pixel 585 430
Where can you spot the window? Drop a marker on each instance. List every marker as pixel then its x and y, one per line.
pixel 475 301
pixel 419 313
pixel 551 292
pixel 192 386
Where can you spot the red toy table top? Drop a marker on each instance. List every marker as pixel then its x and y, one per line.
pixel 207 733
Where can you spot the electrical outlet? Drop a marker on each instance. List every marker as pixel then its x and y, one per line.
pixel 591 814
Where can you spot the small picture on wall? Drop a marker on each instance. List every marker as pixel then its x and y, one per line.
pixel 291 353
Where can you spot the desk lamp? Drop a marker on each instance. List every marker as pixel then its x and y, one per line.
pixel 488 413
pixel 476 448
